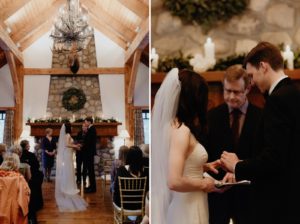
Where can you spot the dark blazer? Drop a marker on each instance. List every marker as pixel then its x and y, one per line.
pixel 90 140
pixel 235 202
pixel 274 167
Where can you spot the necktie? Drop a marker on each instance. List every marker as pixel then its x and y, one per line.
pixel 235 126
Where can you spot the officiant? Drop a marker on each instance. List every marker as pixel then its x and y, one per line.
pixel 231 126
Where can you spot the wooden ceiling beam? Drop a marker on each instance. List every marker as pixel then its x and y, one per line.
pixel 11 8
pixel 43 16
pixel 35 34
pixel 7 44
pixel 14 75
pixel 107 31
pixel 81 71
pixel 137 7
pixel 3 60
pixel 140 41
pixel 133 74
pixel 102 15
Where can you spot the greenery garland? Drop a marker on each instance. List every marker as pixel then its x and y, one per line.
pixel 179 61
pixel 73 99
pixel 206 12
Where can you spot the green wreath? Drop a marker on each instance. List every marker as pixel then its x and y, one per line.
pixel 73 99
pixel 206 12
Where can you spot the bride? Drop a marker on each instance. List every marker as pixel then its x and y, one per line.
pixel 66 192
pixel 178 159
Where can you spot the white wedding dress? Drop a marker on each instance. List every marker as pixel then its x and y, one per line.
pixel 190 207
pixel 66 192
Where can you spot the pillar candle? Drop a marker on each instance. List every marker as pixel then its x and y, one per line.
pixel 288 55
pixel 154 59
pixel 209 50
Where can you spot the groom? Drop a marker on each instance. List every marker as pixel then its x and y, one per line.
pixel 89 150
pixel 274 167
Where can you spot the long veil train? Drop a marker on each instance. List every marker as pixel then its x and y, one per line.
pixel 66 192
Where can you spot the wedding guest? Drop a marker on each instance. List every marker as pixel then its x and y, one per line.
pixel 2 151
pixel 14 191
pixel 145 219
pixel 49 151
pixel 24 168
pixel 35 183
pixel 132 169
pixel 178 159
pixel 232 126
pixel 80 172
pixel 274 163
pixel 123 151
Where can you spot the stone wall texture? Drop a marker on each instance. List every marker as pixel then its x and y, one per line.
pixel 276 21
pixel 89 85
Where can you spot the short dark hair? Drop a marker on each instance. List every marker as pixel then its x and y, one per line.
pixel 193 100
pixel 89 119
pixel 266 52
pixel 23 144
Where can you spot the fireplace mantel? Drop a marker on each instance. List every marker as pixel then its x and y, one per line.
pixel 103 129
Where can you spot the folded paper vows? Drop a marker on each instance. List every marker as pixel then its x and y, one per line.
pixel 220 184
pixel 242 182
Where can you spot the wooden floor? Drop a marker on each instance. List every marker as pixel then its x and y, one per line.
pixel 100 208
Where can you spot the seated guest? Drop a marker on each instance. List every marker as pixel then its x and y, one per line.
pixel 35 183
pixel 24 168
pixel 145 150
pixel 48 151
pixel 145 219
pixel 123 151
pixel 14 192
pixel 2 151
pixel 133 168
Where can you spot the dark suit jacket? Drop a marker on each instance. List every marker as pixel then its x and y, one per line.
pixel 274 167
pixel 236 201
pixel 90 140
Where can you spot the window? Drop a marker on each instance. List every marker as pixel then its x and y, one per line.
pixel 2 121
pixel 145 114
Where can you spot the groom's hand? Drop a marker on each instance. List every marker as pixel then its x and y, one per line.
pixel 229 160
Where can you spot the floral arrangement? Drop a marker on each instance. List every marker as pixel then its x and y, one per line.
pixel 206 13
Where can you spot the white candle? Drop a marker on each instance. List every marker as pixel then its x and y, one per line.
pixel 73 117
pixel 154 59
pixel 209 50
pixel 288 55
pixel 59 119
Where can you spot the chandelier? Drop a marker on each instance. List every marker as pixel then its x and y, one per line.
pixel 71 31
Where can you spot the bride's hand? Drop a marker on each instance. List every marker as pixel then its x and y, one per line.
pixel 212 166
pixel 208 185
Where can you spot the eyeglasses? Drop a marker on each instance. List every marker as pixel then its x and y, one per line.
pixel 235 92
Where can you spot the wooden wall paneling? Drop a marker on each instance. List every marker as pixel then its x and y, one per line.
pixel 102 15
pixel 137 7
pixel 11 8
pixel 38 21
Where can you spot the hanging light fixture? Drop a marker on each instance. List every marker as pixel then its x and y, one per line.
pixel 71 31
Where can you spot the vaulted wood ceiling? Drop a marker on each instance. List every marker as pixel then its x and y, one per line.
pixel 22 22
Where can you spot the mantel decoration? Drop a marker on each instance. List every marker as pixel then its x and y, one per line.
pixel 64 120
pixel 206 13
pixel 73 99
